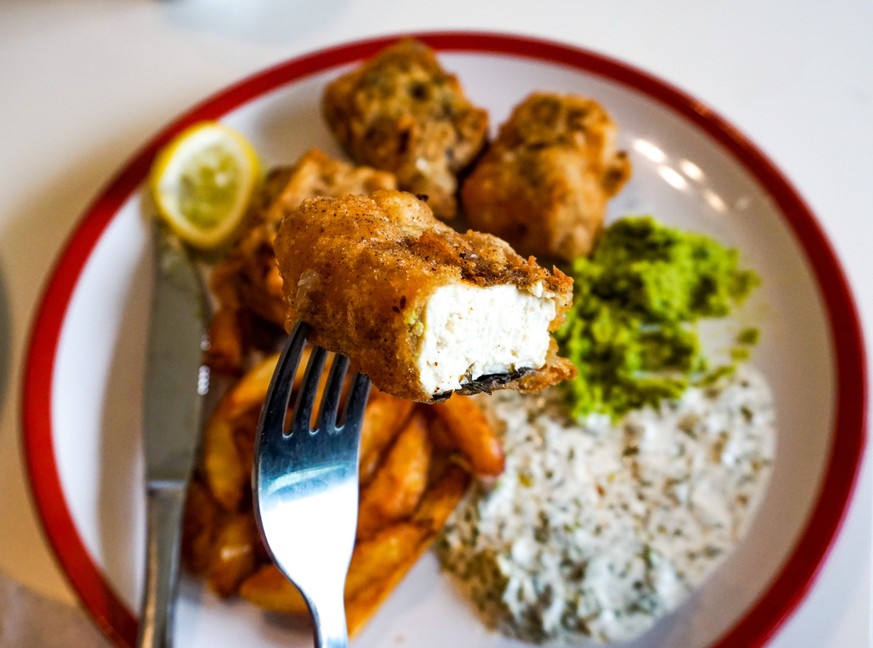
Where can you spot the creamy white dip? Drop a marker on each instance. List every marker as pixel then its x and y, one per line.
pixel 597 529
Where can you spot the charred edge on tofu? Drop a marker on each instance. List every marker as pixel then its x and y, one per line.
pixel 485 383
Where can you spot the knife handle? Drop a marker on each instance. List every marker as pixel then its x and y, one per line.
pixel 164 509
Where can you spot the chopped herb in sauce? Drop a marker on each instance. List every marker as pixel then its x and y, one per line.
pixel 597 528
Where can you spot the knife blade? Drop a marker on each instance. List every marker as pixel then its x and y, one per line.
pixel 175 383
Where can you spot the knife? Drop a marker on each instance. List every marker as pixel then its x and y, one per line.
pixel 175 383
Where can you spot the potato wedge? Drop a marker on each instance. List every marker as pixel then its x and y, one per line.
pixel 269 589
pixel 380 563
pixel 245 430
pixel 225 353
pixel 234 553
pixel 251 390
pixel 377 566
pixel 199 526
pixel 383 419
pixel 227 454
pixel 469 429
pixel 441 498
pixel 440 437
pixel 400 480
pixel 226 475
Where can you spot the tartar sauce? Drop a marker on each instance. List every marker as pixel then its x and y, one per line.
pixel 597 529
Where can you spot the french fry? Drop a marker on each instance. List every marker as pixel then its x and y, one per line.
pixel 225 353
pixel 397 486
pixel 245 430
pixel 413 488
pixel 233 554
pixel 441 498
pixel 251 390
pixel 200 523
pixel 226 458
pixel 269 589
pixel 475 438
pixel 383 419
pixel 226 475
pixel 273 284
pixel 439 434
pixel 378 564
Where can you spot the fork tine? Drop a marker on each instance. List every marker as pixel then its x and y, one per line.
pixel 357 399
pixel 281 385
pixel 332 393
pixel 308 390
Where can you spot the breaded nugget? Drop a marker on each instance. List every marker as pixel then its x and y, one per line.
pixel 248 277
pixel 418 307
pixel 544 183
pixel 402 112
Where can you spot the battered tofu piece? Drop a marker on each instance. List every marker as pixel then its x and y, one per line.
pixel 544 183
pixel 248 276
pixel 421 309
pixel 402 112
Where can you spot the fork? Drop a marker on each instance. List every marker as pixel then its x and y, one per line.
pixel 305 484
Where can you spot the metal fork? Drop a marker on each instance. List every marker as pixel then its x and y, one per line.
pixel 305 484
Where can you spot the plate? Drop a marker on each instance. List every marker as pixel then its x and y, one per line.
pixel 83 382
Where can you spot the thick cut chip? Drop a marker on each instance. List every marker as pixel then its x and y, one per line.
pixel 398 485
pixel 383 419
pixel 469 431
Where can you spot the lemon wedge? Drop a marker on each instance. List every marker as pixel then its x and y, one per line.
pixel 202 183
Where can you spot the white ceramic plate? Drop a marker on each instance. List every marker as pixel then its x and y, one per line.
pixel 82 396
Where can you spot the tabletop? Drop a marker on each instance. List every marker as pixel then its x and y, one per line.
pixel 83 83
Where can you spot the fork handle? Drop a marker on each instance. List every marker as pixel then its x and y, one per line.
pixel 164 509
pixel 330 622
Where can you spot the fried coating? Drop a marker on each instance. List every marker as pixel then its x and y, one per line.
pixel 544 183
pixel 361 271
pixel 401 111
pixel 247 277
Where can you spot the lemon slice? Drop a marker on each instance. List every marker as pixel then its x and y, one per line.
pixel 202 183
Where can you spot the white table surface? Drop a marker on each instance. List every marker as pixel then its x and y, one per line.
pixel 83 83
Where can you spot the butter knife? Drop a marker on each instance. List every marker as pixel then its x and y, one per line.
pixel 175 384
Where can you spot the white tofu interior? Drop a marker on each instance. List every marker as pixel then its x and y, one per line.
pixel 471 331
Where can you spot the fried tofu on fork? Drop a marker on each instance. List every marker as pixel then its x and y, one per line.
pixel 421 309
pixel 246 281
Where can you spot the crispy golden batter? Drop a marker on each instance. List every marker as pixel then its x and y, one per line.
pixel 544 183
pixel 361 269
pixel 247 277
pixel 402 112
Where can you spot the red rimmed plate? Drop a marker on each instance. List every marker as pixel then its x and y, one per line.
pixel 82 391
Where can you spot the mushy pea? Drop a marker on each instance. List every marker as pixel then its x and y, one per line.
pixel 631 331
